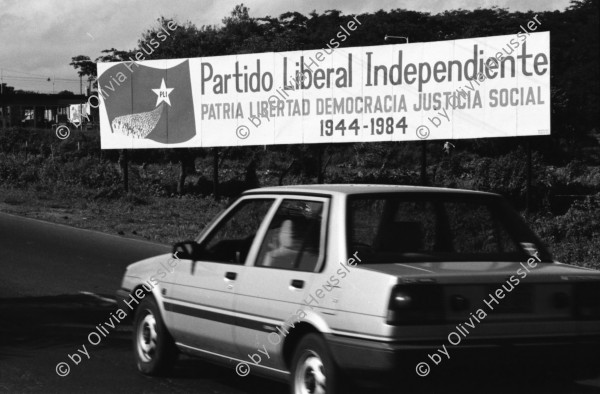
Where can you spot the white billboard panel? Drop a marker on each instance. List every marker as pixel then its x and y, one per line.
pixel 473 88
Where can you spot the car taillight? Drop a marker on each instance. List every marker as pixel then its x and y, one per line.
pixel 415 304
pixel 587 301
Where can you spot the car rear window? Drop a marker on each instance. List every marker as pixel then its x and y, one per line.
pixel 436 227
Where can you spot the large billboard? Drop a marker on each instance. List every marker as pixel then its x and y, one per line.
pixel 472 88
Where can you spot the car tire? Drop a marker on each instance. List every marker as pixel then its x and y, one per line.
pixel 153 347
pixel 313 369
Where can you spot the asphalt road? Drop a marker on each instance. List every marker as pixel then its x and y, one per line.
pixel 56 285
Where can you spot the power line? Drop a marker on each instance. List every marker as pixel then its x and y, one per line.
pixel 24 78
pixel 37 79
pixel 31 76
pixel 22 72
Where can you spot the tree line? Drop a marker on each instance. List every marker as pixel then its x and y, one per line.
pixel 575 79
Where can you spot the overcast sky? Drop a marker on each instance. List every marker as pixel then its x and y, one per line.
pixel 38 38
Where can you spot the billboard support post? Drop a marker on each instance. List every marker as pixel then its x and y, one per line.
pixel 424 163
pixel 321 170
pixel 529 175
pixel 216 173
pixel 124 162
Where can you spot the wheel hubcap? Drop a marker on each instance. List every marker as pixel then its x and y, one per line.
pixel 310 375
pixel 147 338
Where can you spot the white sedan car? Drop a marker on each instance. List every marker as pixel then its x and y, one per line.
pixel 311 283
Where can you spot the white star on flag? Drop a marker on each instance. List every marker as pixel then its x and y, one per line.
pixel 163 93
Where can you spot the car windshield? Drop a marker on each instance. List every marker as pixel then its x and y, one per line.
pixel 408 227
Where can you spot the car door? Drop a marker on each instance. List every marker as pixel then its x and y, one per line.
pixel 271 295
pixel 201 299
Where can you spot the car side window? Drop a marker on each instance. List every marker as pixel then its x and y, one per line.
pixel 231 240
pixel 293 240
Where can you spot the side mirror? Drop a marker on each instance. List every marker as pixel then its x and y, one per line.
pixel 186 250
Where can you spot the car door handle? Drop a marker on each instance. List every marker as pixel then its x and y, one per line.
pixel 298 284
pixel 231 275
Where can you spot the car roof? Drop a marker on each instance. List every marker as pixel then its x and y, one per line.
pixel 349 189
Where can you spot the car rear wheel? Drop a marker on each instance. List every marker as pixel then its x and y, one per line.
pixel 313 369
pixel 154 349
